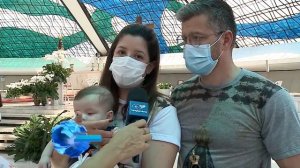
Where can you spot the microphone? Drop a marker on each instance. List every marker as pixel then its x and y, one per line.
pixel 138 108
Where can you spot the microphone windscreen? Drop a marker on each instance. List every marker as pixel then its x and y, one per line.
pixel 138 94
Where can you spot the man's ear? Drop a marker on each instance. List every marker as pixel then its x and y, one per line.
pixel 150 67
pixel 110 115
pixel 228 39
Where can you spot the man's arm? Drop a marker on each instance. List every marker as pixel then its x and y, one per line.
pixel 281 130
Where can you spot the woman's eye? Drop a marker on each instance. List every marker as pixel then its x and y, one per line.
pixel 139 57
pixel 121 52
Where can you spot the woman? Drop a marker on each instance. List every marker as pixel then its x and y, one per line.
pixel 133 61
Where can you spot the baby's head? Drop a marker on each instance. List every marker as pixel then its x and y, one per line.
pixel 94 103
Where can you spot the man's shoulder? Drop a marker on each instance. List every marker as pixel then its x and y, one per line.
pixel 259 81
pixel 257 87
pixel 186 84
pixel 162 101
pixel 183 90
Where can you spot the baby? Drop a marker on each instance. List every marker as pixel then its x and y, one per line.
pixel 93 103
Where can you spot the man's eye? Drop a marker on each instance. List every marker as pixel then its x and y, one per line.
pixel 196 38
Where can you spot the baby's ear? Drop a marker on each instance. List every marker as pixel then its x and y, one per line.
pixel 110 115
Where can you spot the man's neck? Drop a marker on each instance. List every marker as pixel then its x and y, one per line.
pixel 223 73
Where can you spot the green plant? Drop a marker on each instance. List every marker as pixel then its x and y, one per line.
pixel 60 73
pixel 42 87
pixel 33 136
pixel 13 92
pixel 26 89
pixel 44 90
pixel 15 89
pixel 164 85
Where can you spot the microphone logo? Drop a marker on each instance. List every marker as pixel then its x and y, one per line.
pixel 138 108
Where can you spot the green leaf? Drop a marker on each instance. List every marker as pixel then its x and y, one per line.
pixel 32 137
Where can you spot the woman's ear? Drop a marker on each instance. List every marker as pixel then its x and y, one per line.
pixel 150 67
pixel 110 115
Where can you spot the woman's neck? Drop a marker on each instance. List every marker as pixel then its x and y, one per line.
pixel 123 94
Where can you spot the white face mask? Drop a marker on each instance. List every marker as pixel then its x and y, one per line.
pixel 127 72
pixel 93 117
pixel 198 59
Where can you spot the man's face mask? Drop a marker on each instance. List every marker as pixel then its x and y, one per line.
pixel 198 58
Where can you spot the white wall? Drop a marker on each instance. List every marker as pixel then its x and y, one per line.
pixel 291 79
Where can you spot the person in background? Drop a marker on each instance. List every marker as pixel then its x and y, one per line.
pixel 229 116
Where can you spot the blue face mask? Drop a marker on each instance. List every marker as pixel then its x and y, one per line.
pixel 198 59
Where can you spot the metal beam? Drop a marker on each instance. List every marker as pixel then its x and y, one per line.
pixel 83 19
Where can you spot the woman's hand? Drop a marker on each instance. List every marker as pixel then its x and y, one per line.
pixel 96 127
pixel 126 143
pixel 131 140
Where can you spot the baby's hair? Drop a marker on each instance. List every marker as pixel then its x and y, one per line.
pixel 105 96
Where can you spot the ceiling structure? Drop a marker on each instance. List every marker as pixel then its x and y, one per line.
pixel 31 28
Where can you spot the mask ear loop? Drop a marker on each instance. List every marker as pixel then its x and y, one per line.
pixel 215 43
pixel 217 40
pixel 220 55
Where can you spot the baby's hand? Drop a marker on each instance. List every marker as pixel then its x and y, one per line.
pixel 44 162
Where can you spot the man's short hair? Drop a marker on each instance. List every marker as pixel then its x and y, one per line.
pixel 219 13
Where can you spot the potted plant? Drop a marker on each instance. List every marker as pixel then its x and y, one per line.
pixel 60 75
pixel 37 89
pixel 14 90
pixel 33 136
pixel 43 87
pixel 164 88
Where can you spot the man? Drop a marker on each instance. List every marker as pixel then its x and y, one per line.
pixel 230 117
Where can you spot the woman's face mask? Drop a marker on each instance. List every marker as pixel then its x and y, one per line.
pixel 127 72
